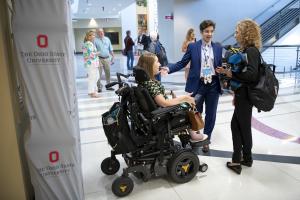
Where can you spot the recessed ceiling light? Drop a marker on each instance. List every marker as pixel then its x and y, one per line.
pixel 93 23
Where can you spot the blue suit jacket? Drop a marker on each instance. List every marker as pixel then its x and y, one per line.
pixel 193 54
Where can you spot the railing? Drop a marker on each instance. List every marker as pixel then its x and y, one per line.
pixel 286 58
pixel 275 21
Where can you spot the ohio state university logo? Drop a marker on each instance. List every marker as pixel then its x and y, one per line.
pixel 42 41
pixel 53 156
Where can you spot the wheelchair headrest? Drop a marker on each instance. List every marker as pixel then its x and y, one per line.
pixel 140 75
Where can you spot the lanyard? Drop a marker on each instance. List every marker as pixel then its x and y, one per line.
pixel 206 55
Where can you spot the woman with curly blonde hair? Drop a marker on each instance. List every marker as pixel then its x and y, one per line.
pixel 248 36
pixel 189 38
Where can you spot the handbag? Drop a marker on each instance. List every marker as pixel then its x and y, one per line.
pixel 196 119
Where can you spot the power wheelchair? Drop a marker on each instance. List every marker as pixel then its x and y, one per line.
pixel 143 133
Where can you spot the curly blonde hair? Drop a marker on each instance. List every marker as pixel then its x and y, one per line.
pixel 249 33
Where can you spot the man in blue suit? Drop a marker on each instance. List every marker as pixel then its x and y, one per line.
pixel 203 81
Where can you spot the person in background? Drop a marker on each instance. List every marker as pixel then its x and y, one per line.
pixel 91 62
pixel 106 56
pixel 145 41
pixel 139 39
pixel 129 50
pixel 205 56
pixel 248 36
pixel 149 62
pixel 156 47
pixel 190 38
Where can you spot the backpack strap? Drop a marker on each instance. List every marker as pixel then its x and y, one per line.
pixel 157 47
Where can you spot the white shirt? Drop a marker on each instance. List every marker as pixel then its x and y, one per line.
pixel 207 57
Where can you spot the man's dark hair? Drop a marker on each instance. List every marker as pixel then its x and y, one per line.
pixel 206 23
pixel 127 32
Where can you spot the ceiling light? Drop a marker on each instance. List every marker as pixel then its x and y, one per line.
pixel 93 23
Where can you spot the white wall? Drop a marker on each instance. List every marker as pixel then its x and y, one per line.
pixel 189 14
pixel 79 34
pixel 152 16
pixel 129 22
pixel 80 27
pixel 166 27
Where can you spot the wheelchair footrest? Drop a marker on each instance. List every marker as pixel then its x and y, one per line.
pixel 200 144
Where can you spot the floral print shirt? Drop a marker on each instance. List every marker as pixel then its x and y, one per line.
pixel 89 54
pixel 154 88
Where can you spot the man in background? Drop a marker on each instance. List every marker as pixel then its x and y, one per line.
pixel 106 56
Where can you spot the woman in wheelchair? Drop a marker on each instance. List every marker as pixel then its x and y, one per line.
pixel 149 62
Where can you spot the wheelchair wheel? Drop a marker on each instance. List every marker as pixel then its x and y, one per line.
pixel 110 166
pixel 183 166
pixel 203 167
pixel 122 186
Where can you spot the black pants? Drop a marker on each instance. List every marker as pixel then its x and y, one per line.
pixel 241 126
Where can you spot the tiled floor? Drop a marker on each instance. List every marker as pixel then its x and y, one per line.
pixel 276 136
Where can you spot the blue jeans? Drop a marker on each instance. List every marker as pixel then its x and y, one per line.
pixel 130 59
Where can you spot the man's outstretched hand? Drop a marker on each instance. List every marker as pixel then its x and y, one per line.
pixel 164 71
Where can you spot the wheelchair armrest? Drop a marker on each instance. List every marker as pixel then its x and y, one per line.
pixel 167 111
pixel 164 110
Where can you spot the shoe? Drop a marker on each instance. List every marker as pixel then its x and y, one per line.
pixel 237 168
pixel 197 137
pixel 110 88
pixel 94 96
pixel 205 148
pixel 99 90
pixel 247 163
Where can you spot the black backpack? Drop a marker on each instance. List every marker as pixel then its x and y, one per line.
pixel 263 94
pixel 161 54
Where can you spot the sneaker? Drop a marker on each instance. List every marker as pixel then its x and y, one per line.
pixel 95 95
pixel 99 90
pixel 198 137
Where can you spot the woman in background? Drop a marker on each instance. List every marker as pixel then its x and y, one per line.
pixel 190 38
pixel 91 63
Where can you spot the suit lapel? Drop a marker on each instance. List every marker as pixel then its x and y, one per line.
pixel 215 54
pixel 199 44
